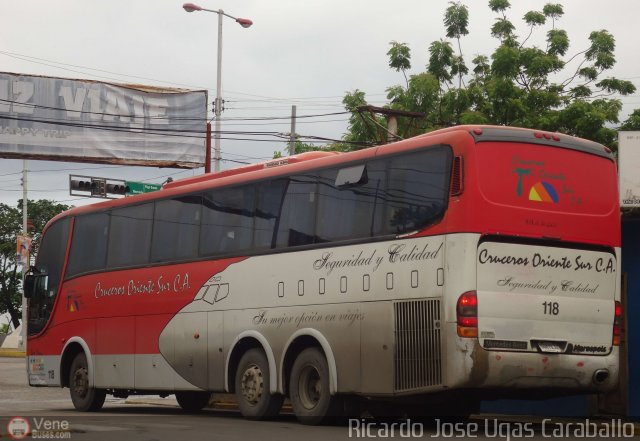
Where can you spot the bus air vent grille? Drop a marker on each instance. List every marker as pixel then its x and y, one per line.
pixel 418 361
pixel 457 177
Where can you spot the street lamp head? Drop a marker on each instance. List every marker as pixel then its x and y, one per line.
pixel 244 22
pixel 190 7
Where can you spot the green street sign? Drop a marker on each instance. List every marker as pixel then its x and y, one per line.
pixel 141 187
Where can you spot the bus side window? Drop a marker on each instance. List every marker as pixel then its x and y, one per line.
pixel 351 211
pixel 270 196
pixel 89 244
pixel 418 189
pixel 297 221
pixel 227 220
pixel 176 229
pixel 130 235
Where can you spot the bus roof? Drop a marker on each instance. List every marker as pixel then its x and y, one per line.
pixel 303 161
pixel 531 136
pixel 250 168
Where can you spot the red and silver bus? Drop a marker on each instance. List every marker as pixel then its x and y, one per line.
pixel 472 262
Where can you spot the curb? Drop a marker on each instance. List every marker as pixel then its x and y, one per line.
pixel 13 353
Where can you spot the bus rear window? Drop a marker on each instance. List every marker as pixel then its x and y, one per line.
pixel 546 178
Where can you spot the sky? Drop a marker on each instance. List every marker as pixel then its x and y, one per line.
pixel 305 53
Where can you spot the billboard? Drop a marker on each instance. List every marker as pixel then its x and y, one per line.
pixel 88 121
pixel 23 249
pixel 629 168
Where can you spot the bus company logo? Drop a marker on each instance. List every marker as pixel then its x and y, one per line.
pixel 543 192
pixel 18 428
pixel 531 170
pixel 73 303
pixel 579 349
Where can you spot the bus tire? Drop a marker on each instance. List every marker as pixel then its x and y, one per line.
pixel 193 401
pixel 252 387
pixel 84 397
pixel 309 389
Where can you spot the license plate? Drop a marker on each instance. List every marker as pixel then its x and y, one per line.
pixel 552 346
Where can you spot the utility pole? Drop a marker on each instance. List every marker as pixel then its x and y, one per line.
pixel 392 128
pixel 389 133
pixel 207 156
pixel 292 135
pixel 22 342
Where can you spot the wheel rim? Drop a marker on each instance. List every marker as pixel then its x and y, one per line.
pixel 81 382
pixel 310 387
pixel 252 384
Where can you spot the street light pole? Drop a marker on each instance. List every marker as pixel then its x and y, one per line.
pixel 218 105
pixel 245 23
pixel 22 341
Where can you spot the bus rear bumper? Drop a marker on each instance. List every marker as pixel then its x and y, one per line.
pixel 471 366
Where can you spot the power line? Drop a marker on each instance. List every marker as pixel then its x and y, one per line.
pixel 246 157
pixel 45 62
pixel 74 200
pixel 262 118
pixel 120 115
pixel 134 116
pixel 237 162
pixel 113 128
pixel 10 174
pixel 43 190
pixel 174 132
pixel 165 176
pixel 60 170
pixel 27 58
pixel 286 123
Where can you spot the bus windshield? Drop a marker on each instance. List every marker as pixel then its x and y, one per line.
pixel 49 270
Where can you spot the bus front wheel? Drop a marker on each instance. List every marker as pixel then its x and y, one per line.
pixel 84 397
pixel 253 387
pixel 309 389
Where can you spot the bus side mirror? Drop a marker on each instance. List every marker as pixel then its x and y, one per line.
pixel 29 285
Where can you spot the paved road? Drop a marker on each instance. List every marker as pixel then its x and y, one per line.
pixel 162 420
pixel 136 419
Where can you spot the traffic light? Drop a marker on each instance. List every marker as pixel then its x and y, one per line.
pixel 96 187
pixel 80 185
pixel 121 189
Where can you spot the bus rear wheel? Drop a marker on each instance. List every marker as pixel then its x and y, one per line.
pixel 253 387
pixel 309 389
pixel 84 397
pixel 192 401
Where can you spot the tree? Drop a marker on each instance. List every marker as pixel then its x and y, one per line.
pixel 632 122
pixel 519 84
pixel 40 212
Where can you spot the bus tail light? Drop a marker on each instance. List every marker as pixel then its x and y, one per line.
pixel 617 324
pixel 467 315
